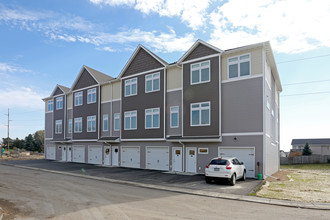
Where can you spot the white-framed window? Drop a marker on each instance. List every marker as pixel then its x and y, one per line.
pixel 91 96
pixel 152 118
pixel 70 126
pixel 105 122
pixel 200 72
pixel 77 125
pixel 91 123
pixel 203 150
pixel 152 82
pixel 239 66
pixel 58 127
pixel 59 102
pixel 200 114
pixel 130 87
pixel 50 105
pixel 78 98
pixel 174 117
pixel 116 122
pixel 130 120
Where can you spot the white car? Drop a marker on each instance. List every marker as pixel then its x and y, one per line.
pixel 226 168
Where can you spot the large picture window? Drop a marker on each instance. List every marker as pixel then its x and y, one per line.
pixel 152 82
pixel 131 87
pixel 200 114
pixel 200 72
pixel 152 118
pixel 78 98
pixel 130 120
pixel 239 66
pixel 91 96
pixel 91 123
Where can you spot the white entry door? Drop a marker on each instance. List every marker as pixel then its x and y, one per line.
pixel 177 159
pixel 63 153
pixel 157 158
pixel 95 154
pixel 130 157
pixel 115 156
pixel 51 153
pixel 107 156
pixel 191 159
pixel 69 155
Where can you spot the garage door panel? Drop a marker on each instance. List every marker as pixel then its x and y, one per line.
pixel 130 157
pixel 157 158
pixel 51 152
pixel 78 154
pixel 95 154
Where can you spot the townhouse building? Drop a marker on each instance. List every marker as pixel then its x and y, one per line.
pixel 173 117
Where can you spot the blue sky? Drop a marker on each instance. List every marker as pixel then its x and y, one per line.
pixel 45 42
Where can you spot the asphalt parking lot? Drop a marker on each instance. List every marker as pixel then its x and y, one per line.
pixel 155 177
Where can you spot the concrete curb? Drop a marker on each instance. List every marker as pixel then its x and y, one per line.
pixel 286 203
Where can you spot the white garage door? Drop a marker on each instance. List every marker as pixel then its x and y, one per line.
pixel 51 150
pixel 157 158
pixel 244 154
pixel 130 157
pixel 78 154
pixel 95 154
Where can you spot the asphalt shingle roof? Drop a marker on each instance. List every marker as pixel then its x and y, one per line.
pixel 311 141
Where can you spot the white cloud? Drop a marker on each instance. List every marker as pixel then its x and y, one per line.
pixel 10 68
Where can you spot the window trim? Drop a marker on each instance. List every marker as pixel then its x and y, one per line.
pixel 58 125
pixel 70 126
pixel 238 64
pixel 76 96
pixel 91 118
pixel 200 72
pixel 152 118
pixel 200 108
pixel 128 82
pixel 153 77
pixel 80 121
pixel 116 116
pixel 107 123
pixel 134 112
pixel 90 93
pixel 174 111
pixel 59 100
pixel 50 103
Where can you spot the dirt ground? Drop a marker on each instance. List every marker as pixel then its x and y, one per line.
pixel 22 155
pixel 9 210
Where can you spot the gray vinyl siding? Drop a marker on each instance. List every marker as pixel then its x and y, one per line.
pixel 105 110
pixel 69 116
pixel 173 99
pixel 203 92
pixel 49 125
pixel 85 80
pixel 140 103
pixel 200 51
pixel 142 62
pixel 59 115
pixel 58 91
pixel 242 106
pixel 83 111
pixel 115 109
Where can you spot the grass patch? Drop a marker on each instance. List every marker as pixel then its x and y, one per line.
pixel 324 166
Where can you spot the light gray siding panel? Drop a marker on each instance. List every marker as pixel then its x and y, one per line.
pixel 85 80
pixel 173 99
pixel 242 106
pixel 115 109
pixel 105 110
pixel 200 51
pixel 49 125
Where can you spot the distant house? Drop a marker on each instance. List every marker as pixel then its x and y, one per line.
pixel 318 146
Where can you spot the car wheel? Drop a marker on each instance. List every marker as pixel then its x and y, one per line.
pixel 233 180
pixel 208 179
pixel 244 176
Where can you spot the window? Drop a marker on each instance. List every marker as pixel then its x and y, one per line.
pixel 58 127
pixel 200 72
pixel 131 87
pixel 152 82
pixel 130 120
pixel 239 66
pixel 91 123
pixel 200 114
pixel 91 96
pixel 116 126
pixel 152 118
pixel 50 105
pixel 77 125
pixel 78 98
pixel 70 126
pixel 105 122
pixel 203 150
pixel 59 102
pixel 174 117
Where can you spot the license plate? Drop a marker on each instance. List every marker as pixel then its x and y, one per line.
pixel 216 169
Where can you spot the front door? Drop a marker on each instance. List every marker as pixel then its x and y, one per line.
pixel 115 156
pixel 177 159
pixel 63 153
pixel 191 159
pixel 69 157
pixel 107 156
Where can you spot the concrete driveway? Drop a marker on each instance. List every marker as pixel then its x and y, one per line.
pixel 155 177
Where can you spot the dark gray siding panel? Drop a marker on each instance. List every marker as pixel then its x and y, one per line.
pixel 49 125
pixel 200 51
pixel 58 91
pixel 242 106
pixel 115 109
pixel 105 110
pixel 69 116
pixel 59 115
pixel 142 62
pixel 173 99
pixel 201 93
pixel 140 102
pixel 85 80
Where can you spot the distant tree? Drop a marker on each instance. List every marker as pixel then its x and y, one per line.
pixel 38 140
pixel 19 143
pixel 307 150
pixel 29 143
pixel 5 143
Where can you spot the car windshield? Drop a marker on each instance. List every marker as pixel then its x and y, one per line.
pixel 219 162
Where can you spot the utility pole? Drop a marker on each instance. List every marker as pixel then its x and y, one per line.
pixel 8 130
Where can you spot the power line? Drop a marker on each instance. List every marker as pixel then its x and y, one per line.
pixel 311 93
pixel 289 84
pixel 306 58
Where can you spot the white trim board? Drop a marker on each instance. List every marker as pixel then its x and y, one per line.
pixel 242 134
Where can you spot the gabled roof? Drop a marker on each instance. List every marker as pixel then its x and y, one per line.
pixel 311 141
pixel 192 48
pixel 64 89
pixel 97 75
pixel 140 46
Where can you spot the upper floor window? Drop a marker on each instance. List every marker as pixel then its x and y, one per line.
pixel 239 66
pixel 78 98
pixel 50 105
pixel 70 126
pixel 174 117
pixel 91 123
pixel 91 96
pixel 58 127
pixel 116 126
pixel 200 72
pixel 131 87
pixel 105 122
pixel 152 118
pixel 200 114
pixel 130 120
pixel 152 82
pixel 59 102
pixel 77 125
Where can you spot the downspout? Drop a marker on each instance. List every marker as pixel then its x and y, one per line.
pixel 183 157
